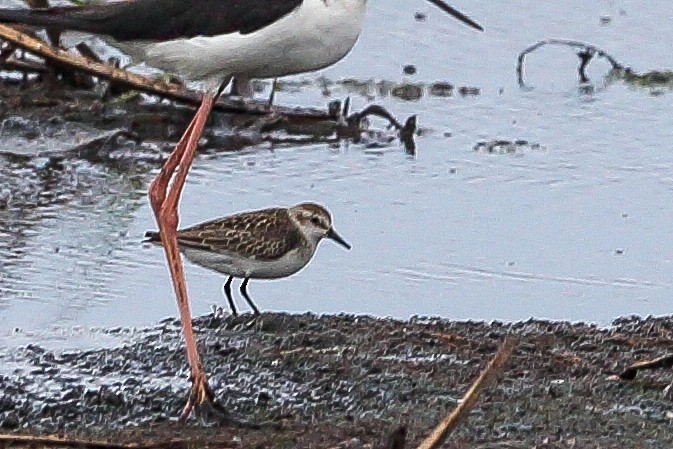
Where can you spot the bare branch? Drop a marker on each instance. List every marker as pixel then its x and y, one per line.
pixel 586 53
pixel 58 441
pixel 158 87
pixel 40 48
pixel 664 362
pixel 448 424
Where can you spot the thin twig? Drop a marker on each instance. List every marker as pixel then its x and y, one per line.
pixel 407 135
pixel 59 441
pixel 13 64
pixel 39 48
pixel 494 367
pixel 171 91
pixel 177 92
pixel 585 49
pixel 375 110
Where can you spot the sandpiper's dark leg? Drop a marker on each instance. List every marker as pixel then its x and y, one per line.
pixel 244 292
pixel 242 87
pixel 227 292
pixel 272 95
pixel 164 199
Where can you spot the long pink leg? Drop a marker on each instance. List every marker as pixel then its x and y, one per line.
pixel 164 200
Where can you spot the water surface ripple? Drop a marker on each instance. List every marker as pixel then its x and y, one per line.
pixel 571 226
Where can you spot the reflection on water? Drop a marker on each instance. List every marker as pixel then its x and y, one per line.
pixel 62 227
pixel 569 225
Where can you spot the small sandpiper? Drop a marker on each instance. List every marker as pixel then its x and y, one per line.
pixel 263 244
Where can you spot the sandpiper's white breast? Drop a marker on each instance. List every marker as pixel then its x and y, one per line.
pixel 315 35
pixel 244 267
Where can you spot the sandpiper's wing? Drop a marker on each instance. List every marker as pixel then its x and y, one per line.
pixel 262 235
pixel 170 19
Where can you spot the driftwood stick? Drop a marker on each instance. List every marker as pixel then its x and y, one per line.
pixel 586 53
pixel 59 441
pixel 177 92
pixel 375 110
pixel 158 87
pixel 665 362
pixel 449 423
pixel 40 48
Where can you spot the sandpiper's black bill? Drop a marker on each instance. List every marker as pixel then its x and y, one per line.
pixel 331 234
pixel 457 14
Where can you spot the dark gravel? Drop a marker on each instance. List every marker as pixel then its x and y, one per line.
pixel 350 380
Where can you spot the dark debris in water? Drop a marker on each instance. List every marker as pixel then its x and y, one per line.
pixel 36 121
pixel 502 146
pixel 331 379
pixel 404 90
pixel 657 82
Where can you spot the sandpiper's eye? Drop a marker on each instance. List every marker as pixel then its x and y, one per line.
pixel 315 221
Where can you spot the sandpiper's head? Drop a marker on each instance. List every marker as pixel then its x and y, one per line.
pixel 315 223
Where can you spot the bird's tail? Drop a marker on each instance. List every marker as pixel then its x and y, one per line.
pixel 152 237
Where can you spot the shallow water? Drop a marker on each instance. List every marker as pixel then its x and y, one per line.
pixel 572 226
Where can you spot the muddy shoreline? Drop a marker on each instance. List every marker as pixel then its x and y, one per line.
pixel 327 380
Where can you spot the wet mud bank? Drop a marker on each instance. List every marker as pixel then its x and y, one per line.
pixel 350 380
pixel 67 123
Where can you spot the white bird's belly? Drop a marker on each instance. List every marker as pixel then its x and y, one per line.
pixel 241 267
pixel 314 36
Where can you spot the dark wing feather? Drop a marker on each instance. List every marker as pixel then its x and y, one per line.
pixel 157 20
pixel 155 237
pixel 263 235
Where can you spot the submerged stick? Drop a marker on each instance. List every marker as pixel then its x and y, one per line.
pixel 448 424
pixel 586 53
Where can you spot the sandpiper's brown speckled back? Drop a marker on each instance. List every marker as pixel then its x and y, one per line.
pixel 263 234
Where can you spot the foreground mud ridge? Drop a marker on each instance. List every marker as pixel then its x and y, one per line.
pixel 348 380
